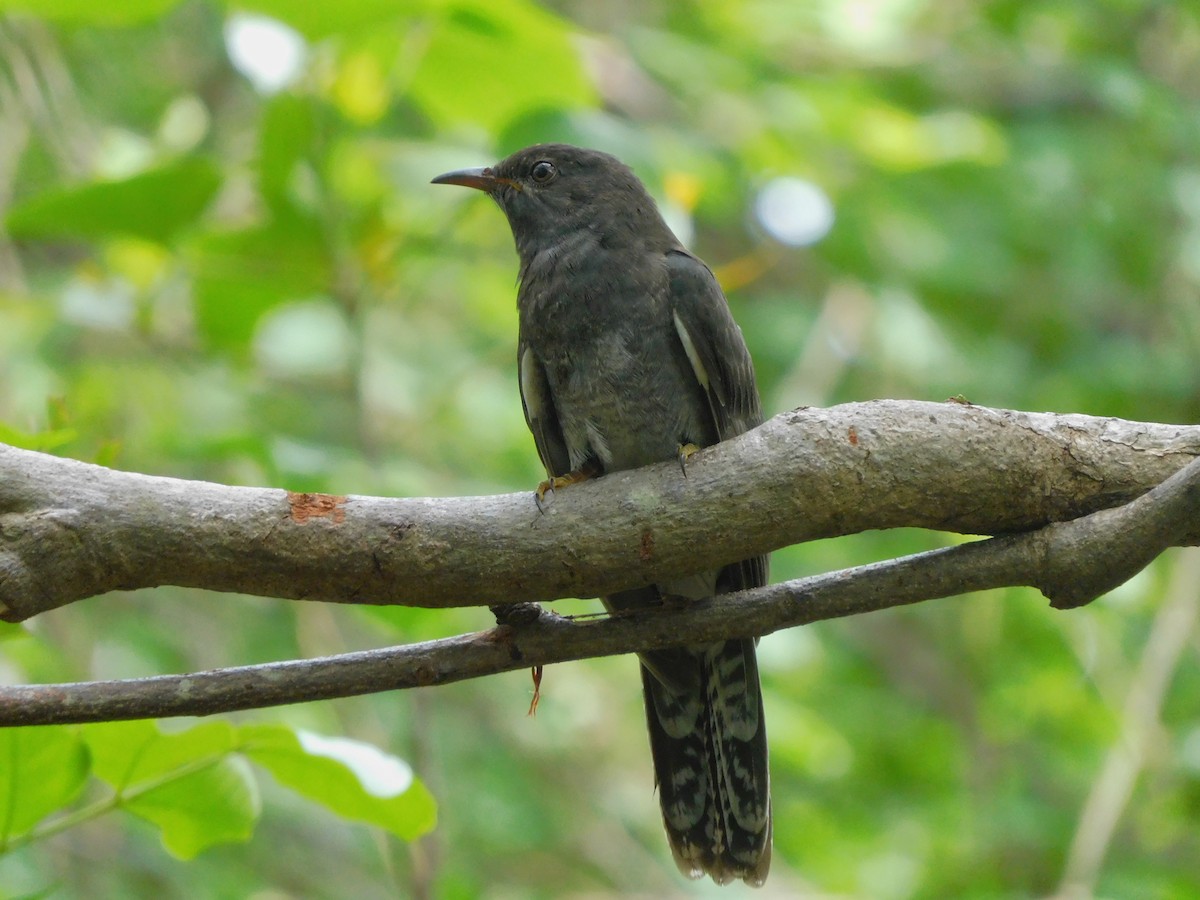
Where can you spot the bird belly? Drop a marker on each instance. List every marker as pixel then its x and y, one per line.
pixel 626 406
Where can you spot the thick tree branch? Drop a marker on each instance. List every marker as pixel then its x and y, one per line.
pixel 69 530
pixel 1070 562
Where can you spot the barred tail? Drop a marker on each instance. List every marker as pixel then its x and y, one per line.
pixel 709 742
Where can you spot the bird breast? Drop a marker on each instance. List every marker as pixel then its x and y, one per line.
pixel 619 381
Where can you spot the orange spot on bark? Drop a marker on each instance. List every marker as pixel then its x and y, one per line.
pixel 316 506
pixel 853 434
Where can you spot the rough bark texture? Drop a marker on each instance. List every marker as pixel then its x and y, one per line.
pixel 1080 504
pixel 1071 562
pixel 69 530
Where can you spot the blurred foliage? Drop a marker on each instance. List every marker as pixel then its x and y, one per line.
pixel 221 258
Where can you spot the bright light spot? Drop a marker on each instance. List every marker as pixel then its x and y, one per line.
pixel 1123 91
pixel 1189 254
pixel 792 650
pixel 682 189
pixel 869 26
pixel 1134 592
pixel 107 305
pixel 794 211
pixel 679 220
pixel 1185 188
pixel 361 88
pixel 955 134
pixel 184 123
pixel 381 774
pixel 911 341
pixel 266 51
pixel 308 338
pixel 1189 750
pixel 122 154
pixel 890 875
pixel 300 458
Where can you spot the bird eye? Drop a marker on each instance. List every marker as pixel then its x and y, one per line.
pixel 542 171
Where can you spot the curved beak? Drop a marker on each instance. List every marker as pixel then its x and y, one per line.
pixel 480 179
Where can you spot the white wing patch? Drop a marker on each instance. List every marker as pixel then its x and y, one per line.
pixel 690 349
pixel 530 389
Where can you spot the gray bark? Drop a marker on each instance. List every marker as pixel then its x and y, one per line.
pixel 69 530
pixel 1082 504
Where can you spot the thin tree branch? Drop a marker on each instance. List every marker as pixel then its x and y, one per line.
pixel 1070 562
pixel 69 530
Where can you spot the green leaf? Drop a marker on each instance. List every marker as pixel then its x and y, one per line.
pixel 188 783
pixel 288 132
pixel 219 804
pixel 353 779
pixel 12 630
pixel 242 274
pixel 320 20
pixel 41 770
pixel 126 754
pixel 43 441
pixel 88 12
pixel 477 67
pixel 153 205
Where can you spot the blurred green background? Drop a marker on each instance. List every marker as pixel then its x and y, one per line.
pixel 221 258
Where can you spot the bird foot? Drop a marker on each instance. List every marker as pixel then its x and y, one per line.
pixel 683 454
pixel 550 485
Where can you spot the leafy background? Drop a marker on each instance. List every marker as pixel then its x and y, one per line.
pixel 206 275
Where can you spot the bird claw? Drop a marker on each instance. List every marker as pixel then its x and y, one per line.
pixel 539 496
pixel 683 454
pixel 550 485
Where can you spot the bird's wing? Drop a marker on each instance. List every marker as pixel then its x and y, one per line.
pixel 714 345
pixel 540 414
pixel 715 348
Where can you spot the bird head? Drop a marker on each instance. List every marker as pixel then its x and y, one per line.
pixel 551 191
